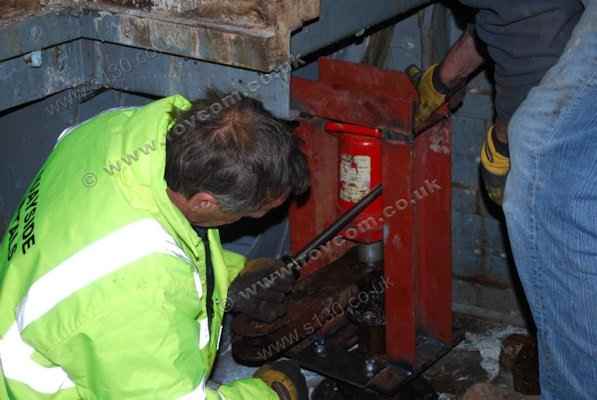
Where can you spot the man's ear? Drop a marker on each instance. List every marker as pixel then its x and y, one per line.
pixel 203 201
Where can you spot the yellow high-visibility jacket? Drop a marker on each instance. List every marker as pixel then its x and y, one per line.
pixel 103 280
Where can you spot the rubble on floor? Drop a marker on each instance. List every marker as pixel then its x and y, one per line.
pixel 493 362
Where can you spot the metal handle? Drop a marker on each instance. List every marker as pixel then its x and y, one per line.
pixel 302 256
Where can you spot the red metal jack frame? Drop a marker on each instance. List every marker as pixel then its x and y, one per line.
pixel 416 176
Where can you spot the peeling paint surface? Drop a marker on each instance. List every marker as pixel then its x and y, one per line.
pixel 251 34
pixel 438 143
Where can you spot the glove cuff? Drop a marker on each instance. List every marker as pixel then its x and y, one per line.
pixel 278 382
pixel 285 378
pixel 495 155
pixel 431 99
pixel 438 84
pixel 428 84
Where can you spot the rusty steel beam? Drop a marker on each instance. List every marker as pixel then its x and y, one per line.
pixel 254 34
pixel 342 19
pixel 85 67
pixel 223 43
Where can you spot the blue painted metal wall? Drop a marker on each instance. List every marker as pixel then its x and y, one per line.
pixel 486 282
pixel 29 132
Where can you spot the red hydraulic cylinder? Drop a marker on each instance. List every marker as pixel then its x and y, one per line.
pixel 359 171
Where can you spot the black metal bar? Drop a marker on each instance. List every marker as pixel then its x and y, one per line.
pixel 303 256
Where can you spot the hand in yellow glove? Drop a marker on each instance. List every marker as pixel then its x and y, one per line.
pixel 495 164
pixel 285 378
pixel 432 92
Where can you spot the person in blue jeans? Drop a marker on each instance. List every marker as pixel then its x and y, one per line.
pixel 540 160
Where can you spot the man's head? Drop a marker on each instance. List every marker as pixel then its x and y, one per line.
pixel 228 158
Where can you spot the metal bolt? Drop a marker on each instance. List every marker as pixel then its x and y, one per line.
pixel 35 33
pixel 370 366
pixel 34 59
pixel 319 346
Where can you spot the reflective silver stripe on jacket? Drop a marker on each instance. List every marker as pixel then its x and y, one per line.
pixel 100 259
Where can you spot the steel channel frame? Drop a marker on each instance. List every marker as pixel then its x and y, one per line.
pixel 417 188
pixel 60 29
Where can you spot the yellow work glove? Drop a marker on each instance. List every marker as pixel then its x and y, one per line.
pixel 431 97
pixel 285 378
pixel 495 164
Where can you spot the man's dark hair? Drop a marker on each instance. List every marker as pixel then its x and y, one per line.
pixel 231 147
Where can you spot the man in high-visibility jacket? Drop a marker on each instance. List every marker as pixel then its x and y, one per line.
pixel 112 283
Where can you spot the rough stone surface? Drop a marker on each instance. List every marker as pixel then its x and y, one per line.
pixel 487 391
pixel 512 346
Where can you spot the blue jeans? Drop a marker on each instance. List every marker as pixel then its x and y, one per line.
pixel 551 212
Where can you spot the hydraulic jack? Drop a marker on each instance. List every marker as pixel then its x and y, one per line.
pixel 372 308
